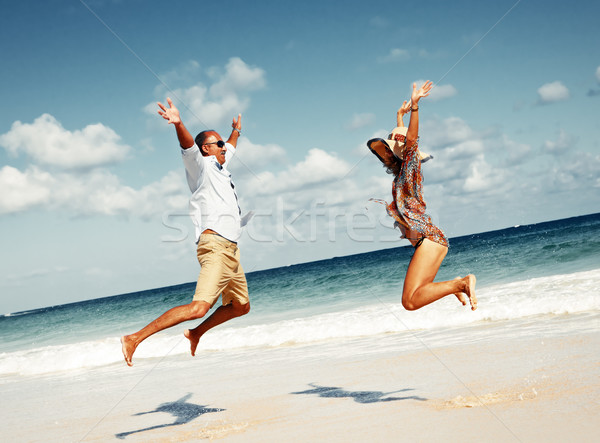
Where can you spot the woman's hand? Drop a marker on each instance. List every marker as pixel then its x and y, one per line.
pixel 405 107
pixel 403 110
pixel 423 91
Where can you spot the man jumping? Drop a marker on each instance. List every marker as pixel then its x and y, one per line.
pixel 216 216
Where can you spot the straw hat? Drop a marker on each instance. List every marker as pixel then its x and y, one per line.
pixel 396 144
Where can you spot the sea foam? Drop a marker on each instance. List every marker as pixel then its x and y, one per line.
pixel 554 295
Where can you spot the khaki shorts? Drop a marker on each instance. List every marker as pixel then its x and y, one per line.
pixel 221 272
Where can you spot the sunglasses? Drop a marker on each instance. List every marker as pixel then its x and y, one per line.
pixel 219 143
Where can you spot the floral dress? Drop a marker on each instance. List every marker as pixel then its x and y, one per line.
pixel 408 207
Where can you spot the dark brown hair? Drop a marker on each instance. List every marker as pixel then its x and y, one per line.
pixel 392 166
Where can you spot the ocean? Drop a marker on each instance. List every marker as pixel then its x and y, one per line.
pixel 533 279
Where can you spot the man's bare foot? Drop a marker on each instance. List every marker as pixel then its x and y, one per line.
pixel 461 296
pixel 189 334
pixel 128 347
pixel 470 280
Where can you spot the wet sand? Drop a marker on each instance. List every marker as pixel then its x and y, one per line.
pixel 493 389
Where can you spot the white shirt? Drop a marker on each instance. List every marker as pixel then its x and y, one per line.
pixel 214 203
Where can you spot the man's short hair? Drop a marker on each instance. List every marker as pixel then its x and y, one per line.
pixel 200 138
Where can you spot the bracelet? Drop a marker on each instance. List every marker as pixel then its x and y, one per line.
pixel 236 129
pixel 414 109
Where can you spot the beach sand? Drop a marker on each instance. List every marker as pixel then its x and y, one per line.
pixel 496 388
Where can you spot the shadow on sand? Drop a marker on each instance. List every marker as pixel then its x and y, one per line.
pixel 182 411
pixel 358 396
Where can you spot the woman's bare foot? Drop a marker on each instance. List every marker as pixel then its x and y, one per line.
pixel 128 348
pixel 191 336
pixel 470 281
pixel 461 296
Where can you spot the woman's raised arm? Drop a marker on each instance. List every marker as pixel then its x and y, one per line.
pixel 413 125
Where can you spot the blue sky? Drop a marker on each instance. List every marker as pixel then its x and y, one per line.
pixel 94 199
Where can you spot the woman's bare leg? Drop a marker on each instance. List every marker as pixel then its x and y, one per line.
pixel 461 295
pixel 419 288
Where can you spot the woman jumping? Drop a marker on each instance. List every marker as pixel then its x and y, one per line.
pixel 401 157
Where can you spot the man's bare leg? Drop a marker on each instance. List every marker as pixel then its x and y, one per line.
pixel 419 289
pixel 221 315
pixel 174 316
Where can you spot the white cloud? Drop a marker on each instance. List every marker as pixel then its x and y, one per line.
pixel 577 176
pixel 185 73
pixel 466 149
pixel 318 167
pixel 97 192
pixel 360 121
pixel 395 55
pixel 508 152
pixel 441 92
pixel 215 104
pixel 598 74
pixel 437 132
pixel 21 191
pixel 552 92
pixel 562 144
pixel 102 193
pixel 482 177
pixel 66 173
pixel 454 138
pixel 251 158
pixel 238 77
pixel 46 142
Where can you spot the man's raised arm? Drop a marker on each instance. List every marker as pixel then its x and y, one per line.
pixel 236 131
pixel 171 114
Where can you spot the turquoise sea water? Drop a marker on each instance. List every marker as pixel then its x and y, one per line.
pixel 539 272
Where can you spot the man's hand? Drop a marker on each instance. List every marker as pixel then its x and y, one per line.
pixel 423 91
pixel 171 114
pixel 236 131
pixel 237 124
